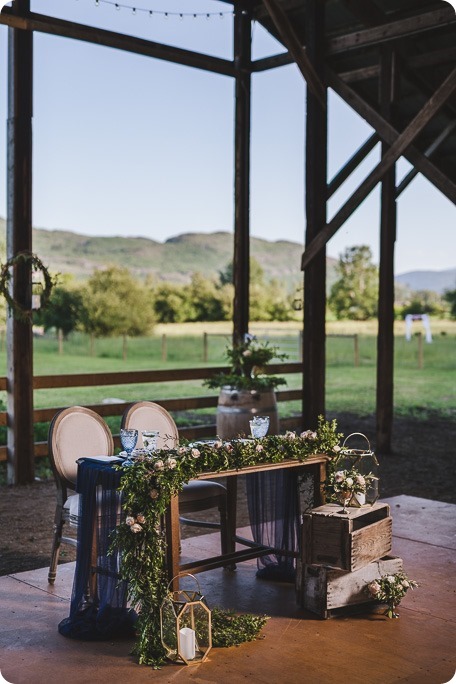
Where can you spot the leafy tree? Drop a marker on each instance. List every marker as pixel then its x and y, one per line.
pixel 450 297
pixel 424 301
pixel 256 273
pixel 63 311
pixel 114 303
pixel 171 303
pixel 354 293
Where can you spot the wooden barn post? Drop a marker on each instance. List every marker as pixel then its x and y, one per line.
pixel 241 258
pixel 314 356
pixel 20 441
pixel 388 217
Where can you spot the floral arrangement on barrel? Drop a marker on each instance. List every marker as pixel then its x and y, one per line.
pixel 390 589
pixel 248 360
pixel 348 486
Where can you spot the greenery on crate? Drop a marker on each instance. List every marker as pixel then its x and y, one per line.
pixel 390 589
pixel 248 361
pixel 147 488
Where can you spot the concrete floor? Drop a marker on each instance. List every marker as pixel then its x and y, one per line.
pixel 418 648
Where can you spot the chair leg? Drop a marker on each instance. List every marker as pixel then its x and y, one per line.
pixel 58 527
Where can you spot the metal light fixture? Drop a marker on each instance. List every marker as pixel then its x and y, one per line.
pixel 185 625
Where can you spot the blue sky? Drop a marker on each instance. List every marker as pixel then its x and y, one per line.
pixel 128 145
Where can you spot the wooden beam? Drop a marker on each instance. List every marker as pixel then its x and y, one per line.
pixel 21 469
pixel 447 56
pixel 391 31
pixel 314 310
pixel 119 41
pixel 294 47
pixel 405 182
pixel 352 164
pixel 394 152
pixel 389 134
pixel 241 259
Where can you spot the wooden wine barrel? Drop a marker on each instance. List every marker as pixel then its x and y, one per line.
pixel 237 407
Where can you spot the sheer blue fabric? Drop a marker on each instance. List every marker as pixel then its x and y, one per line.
pixel 274 511
pixel 101 612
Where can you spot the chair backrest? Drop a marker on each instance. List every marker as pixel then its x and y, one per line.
pixel 146 415
pixel 76 432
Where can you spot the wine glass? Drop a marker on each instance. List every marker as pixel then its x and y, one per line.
pixel 128 439
pixel 259 426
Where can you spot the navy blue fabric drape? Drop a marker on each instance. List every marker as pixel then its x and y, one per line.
pixel 274 512
pixel 103 615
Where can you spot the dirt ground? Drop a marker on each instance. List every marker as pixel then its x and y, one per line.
pixel 422 465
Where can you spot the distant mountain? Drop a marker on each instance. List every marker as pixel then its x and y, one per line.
pixel 174 260
pixel 436 281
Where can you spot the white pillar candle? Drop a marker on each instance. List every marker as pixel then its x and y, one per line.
pixel 187 643
pixel 361 497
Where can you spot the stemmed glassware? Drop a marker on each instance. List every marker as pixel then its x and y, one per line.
pixel 128 439
pixel 259 426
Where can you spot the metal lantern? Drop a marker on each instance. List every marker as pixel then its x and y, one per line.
pixel 365 461
pixel 185 625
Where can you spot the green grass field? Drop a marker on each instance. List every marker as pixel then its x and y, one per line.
pixel 349 388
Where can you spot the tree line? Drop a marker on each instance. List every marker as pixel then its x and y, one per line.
pixel 112 302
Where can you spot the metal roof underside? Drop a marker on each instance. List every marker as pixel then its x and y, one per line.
pixel 423 35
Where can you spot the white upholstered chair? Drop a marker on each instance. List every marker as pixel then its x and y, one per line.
pixel 74 433
pixel 197 495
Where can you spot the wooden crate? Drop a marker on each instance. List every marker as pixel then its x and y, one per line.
pixel 324 590
pixel 347 541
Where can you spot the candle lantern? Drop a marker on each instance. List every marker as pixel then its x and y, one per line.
pixel 365 462
pixel 185 625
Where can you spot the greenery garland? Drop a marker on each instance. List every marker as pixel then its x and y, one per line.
pixel 20 312
pixel 147 488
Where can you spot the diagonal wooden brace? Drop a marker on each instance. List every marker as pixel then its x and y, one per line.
pixel 296 50
pixel 401 143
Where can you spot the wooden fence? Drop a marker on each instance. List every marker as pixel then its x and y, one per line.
pixel 43 415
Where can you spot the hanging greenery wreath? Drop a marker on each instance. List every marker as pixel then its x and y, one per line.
pixel 20 312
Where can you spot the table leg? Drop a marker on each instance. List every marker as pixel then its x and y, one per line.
pixel 319 489
pixel 172 538
pixel 231 513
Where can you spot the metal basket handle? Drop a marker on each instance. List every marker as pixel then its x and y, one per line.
pixel 360 434
pixel 185 574
pixel 346 451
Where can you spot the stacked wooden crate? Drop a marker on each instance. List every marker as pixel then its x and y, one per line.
pixel 341 554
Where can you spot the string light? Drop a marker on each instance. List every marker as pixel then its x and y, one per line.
pixel 163 13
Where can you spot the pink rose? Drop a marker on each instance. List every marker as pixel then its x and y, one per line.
pixel 140 518
pixel 360 480
pixel 196 453
pixel 153 494
pixel 259 447
pixel 159 465
pixel 171 463
pixel 374 588
pixel 339 476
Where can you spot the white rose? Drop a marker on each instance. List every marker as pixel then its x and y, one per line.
pixel 360 480
pixel 129 520
pixel 290 435
pixel 405 584
pixel 171 463
pixel 391 579
pixel 247 352
pixel 182 450
pixel 336 449
pixel 136 528
pixel 306 434
pixel 339 476
pixel 374 588
pixel 218 444
pixel 159 465
pixel 196 453
pixel 349 482
pixel 259 447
